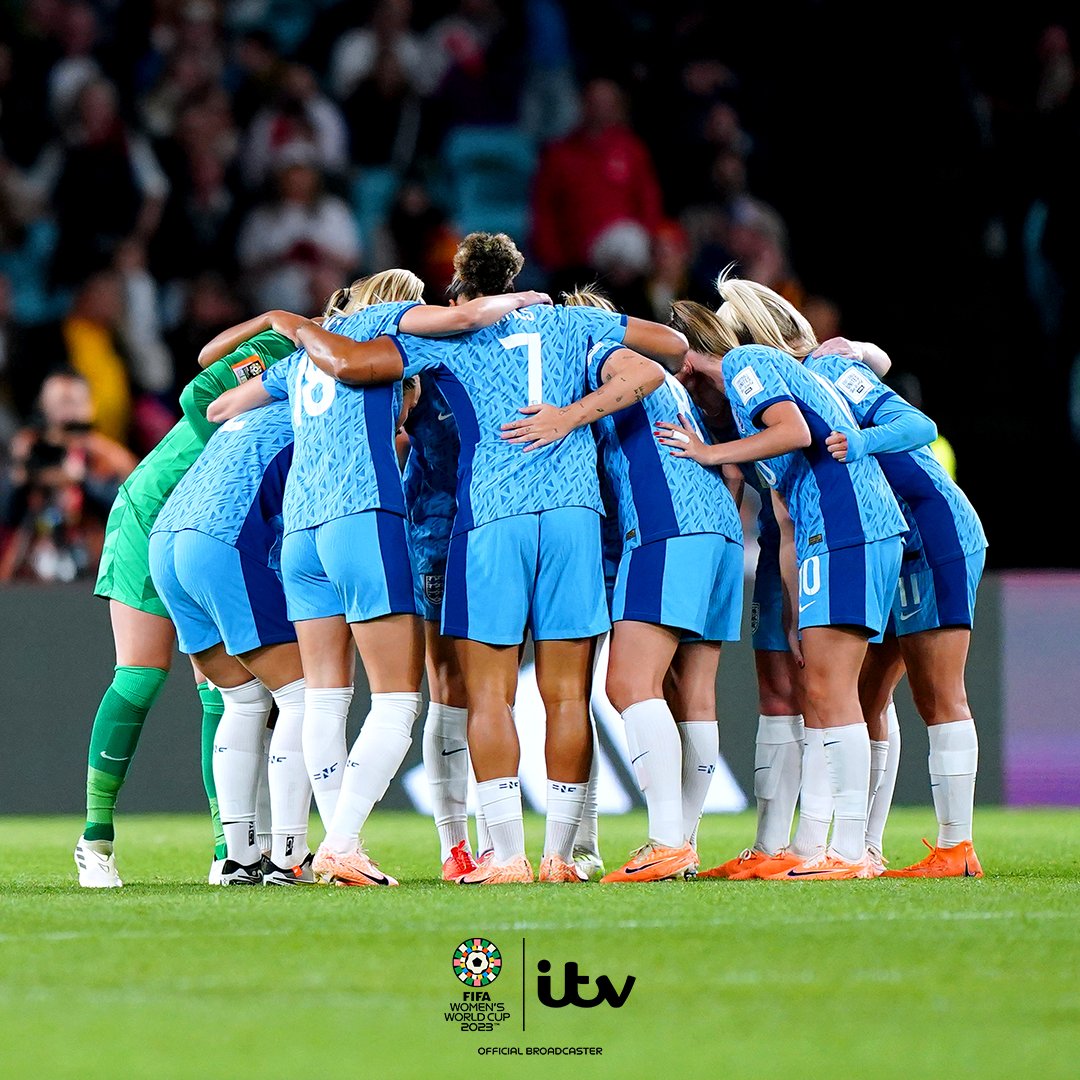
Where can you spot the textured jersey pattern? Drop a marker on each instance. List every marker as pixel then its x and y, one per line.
pixel 533 355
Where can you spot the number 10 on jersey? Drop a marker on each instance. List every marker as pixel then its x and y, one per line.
pixel 531 343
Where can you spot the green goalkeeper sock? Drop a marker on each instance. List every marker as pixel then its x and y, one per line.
pixel 213 707
pixel 113 739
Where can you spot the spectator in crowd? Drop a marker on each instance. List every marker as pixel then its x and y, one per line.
pixel 202 215
pixel 380 74
pixel 77 33
pixel 140 324
pixel 209 306
pixel 423 239
pixel 597 177
pixel 476 58
pixel 103 183
pixel 358 51
pixel 299 113
pixel 301 227
pixel 64 476
pixel 91 334
pixel 254 74
pixel 189 72
pixel 670 274
pixel 758 241
pixel 550 106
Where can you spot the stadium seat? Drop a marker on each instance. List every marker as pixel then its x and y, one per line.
pixel 490 170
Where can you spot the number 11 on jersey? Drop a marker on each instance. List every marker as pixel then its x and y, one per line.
pixel 530 342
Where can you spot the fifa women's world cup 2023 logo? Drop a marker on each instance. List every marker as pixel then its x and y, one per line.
pixel 477 962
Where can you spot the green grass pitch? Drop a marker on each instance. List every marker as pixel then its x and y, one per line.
pixel 170 978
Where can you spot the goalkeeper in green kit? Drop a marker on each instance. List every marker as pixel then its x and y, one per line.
pixel 142 632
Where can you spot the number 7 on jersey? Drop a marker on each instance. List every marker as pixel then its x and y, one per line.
pixel 530 342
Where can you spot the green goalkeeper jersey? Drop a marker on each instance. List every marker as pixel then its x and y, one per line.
pixel 153 480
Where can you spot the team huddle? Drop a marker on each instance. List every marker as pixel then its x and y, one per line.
pixel 427 486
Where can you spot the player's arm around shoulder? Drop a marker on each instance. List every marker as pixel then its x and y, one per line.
pixel 248 395
pixel 625 378
pixel 428 320
pixel 357 363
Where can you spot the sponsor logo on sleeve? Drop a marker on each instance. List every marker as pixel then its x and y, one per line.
pixel 251 367
pixel 854 385
pixel 747 385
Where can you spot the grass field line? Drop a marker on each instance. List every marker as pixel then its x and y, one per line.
pixel 604 924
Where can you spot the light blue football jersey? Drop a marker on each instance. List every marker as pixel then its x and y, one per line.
pixel 345 460
pixel 944 522
pixel 831 505
pixel 431 477
pixel 234 491
pixel 533 355
pixel 658 495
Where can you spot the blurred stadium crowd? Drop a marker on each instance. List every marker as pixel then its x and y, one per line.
pixel 169 166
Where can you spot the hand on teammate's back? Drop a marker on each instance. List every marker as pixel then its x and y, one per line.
pixel 543 425
pixel 839 346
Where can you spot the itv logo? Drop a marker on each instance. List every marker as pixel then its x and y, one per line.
pixel 572 981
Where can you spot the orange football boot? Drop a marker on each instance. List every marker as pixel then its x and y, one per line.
pixel 959 861
pixel 828 866
pixel 654 862
pixel 779 863
pixel 459 862
pixel 738 869
pixel 553 869
pixel 351 868
pixel 490 872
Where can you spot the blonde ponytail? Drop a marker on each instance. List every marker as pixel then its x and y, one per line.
pixel 703 329
pixel 384 287
pixel 754 314
pixel 587 296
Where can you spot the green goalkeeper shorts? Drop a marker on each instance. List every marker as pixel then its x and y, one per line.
pixel 124 573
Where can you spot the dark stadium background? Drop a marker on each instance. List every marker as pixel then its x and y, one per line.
pixel 911 171
pixel 910 153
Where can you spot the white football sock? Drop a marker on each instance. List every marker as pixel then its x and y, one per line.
pixel 374 760
pixel 587 836
pixel 954 761
pixel 656 754
pixel 263 813
pixel 238 756
pixel 483 837
pixel 565 805
pixel 325 714
pixel 778 754
pixel 847 754
pixel 815 797
pixel 700 749
pixel 446 764
pixel 501 803
pixel 290 789
pixel 881 798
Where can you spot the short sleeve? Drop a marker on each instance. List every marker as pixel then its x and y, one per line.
pixel 421 354
pixel 753 381
pixel 395 320
pixel 597 324
pixel 861 388
pixel 598 356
